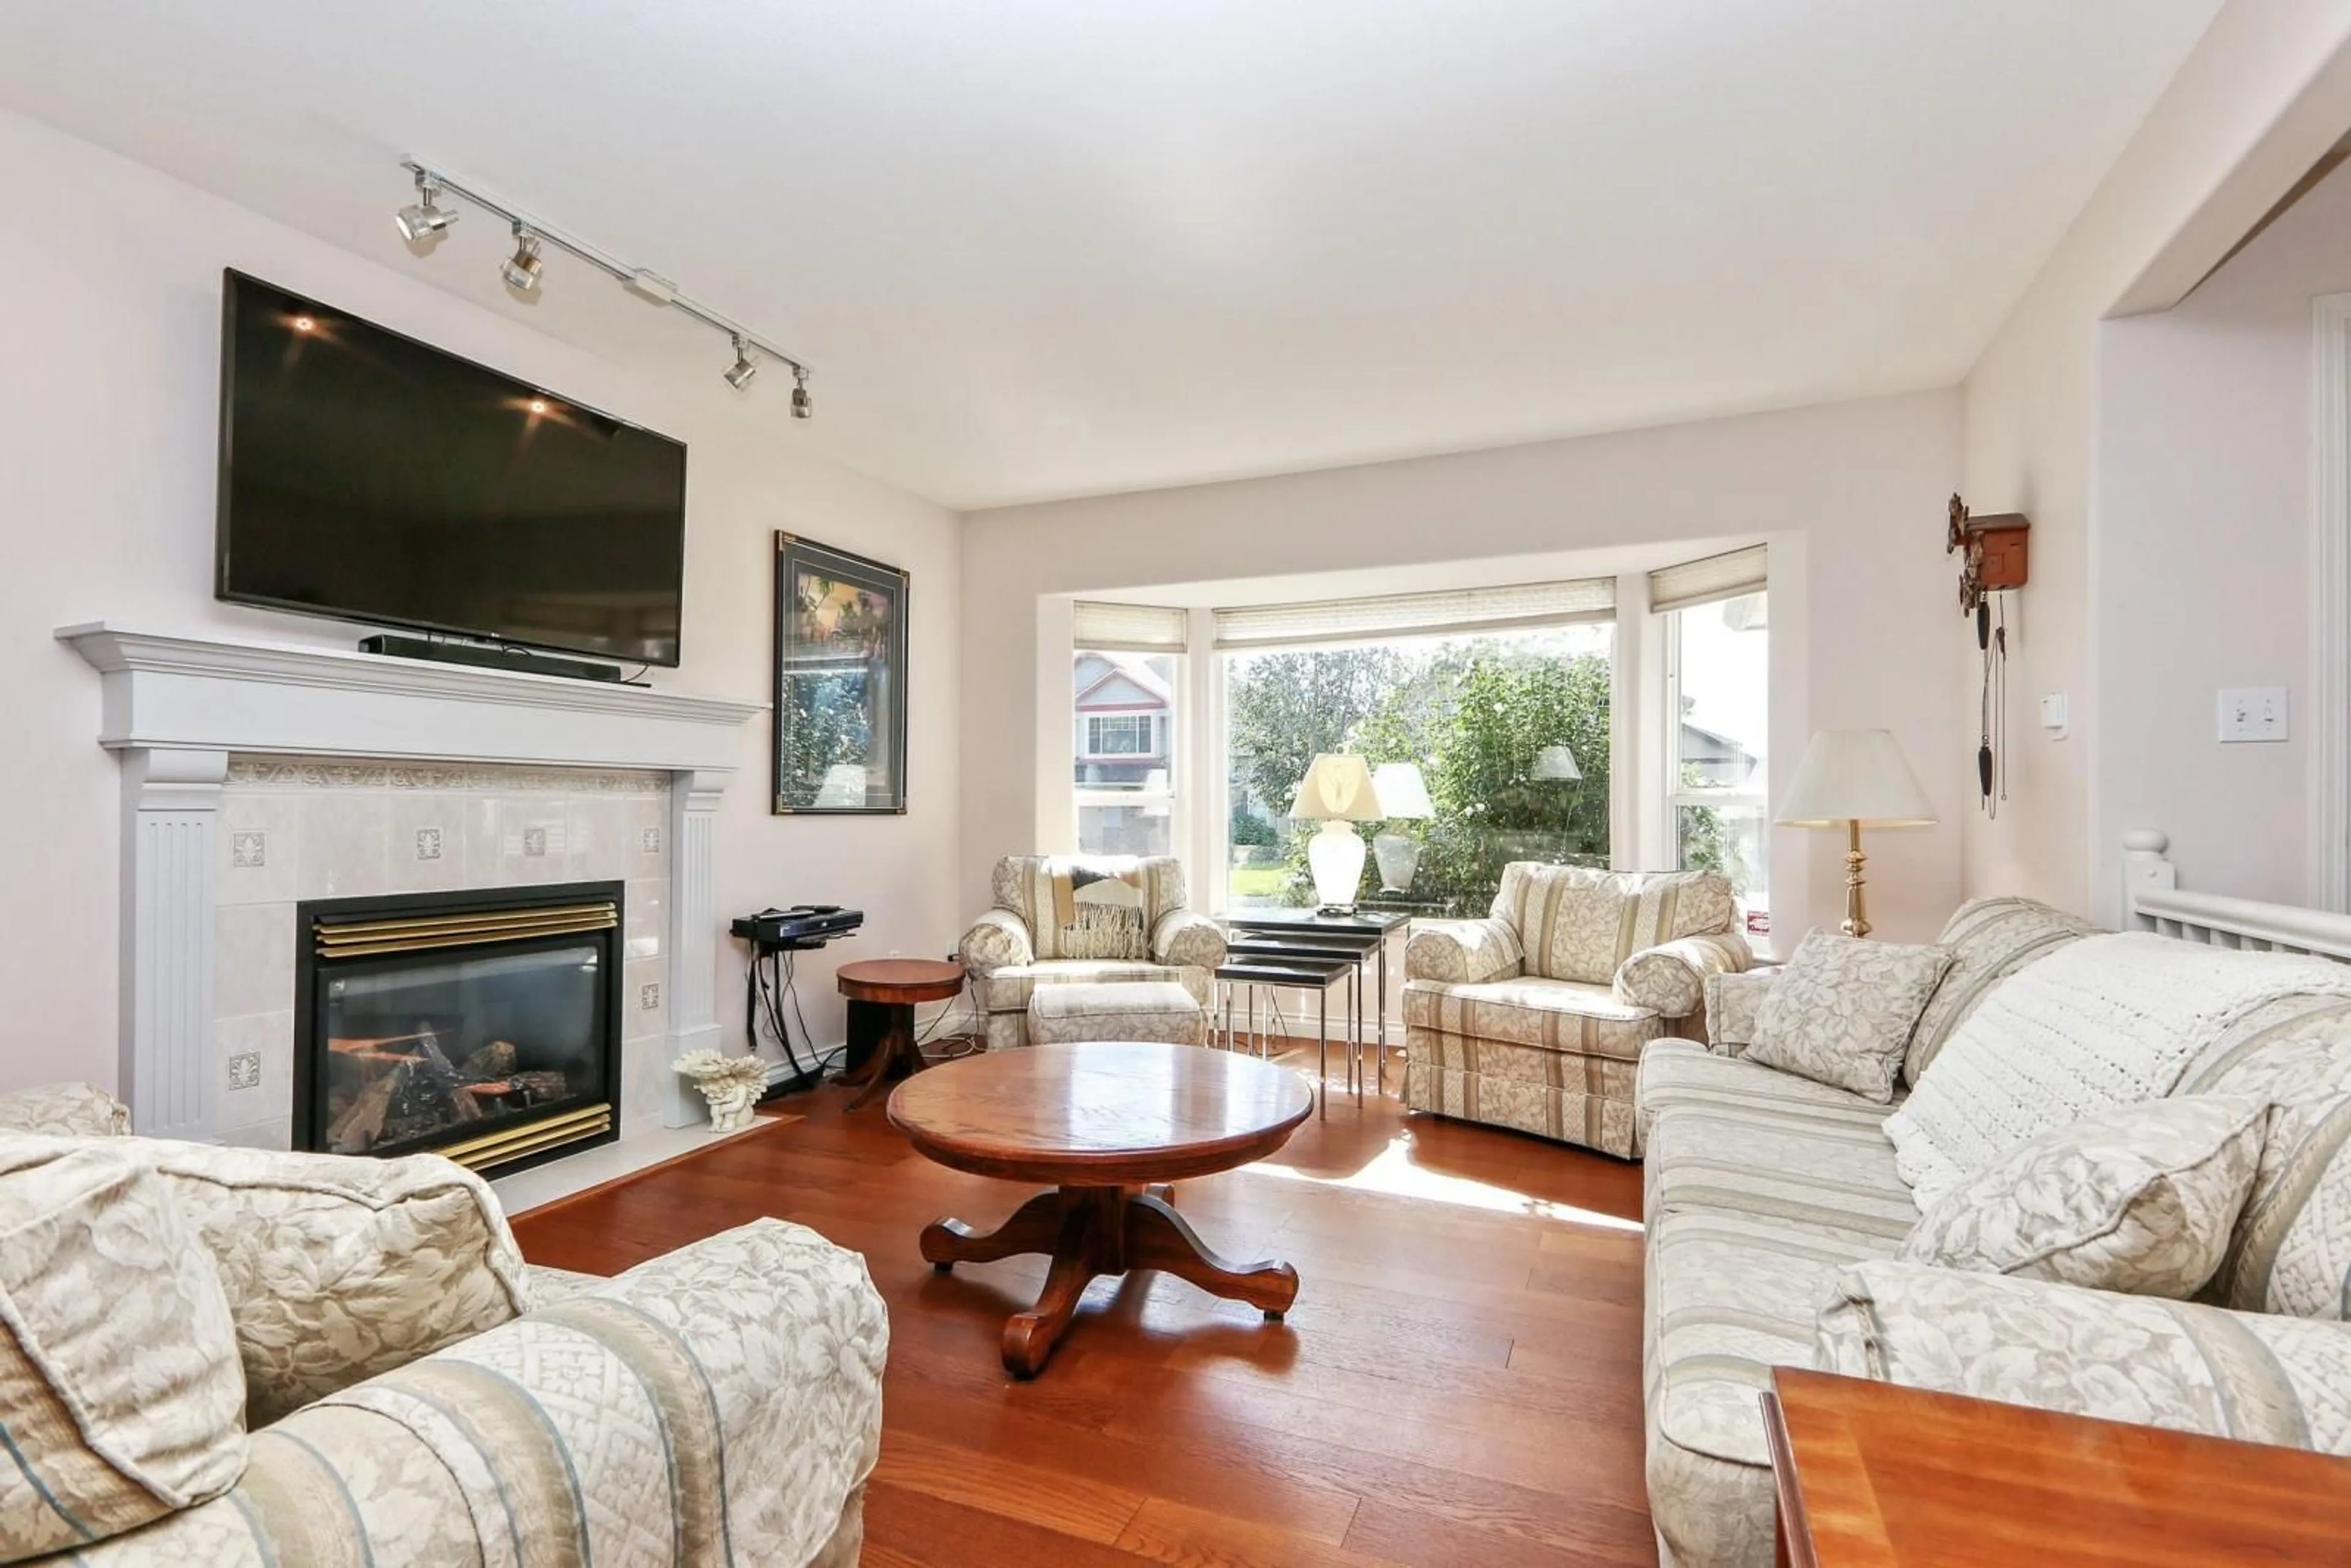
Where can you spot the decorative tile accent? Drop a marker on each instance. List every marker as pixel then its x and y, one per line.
pixel 649 840
pixel 244 1070
pixel 428 844
pixel 649 996
pixel 248 851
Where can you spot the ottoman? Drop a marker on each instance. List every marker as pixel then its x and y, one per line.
pixel 1117 1009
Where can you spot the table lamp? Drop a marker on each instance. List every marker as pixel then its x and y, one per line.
pixel 1336 793
pixel 1849 778
pixel 1403 796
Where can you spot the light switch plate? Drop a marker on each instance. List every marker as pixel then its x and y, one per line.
pixel 2252 714
pixel 2054 719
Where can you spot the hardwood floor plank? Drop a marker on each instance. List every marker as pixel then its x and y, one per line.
pixel 1459 1382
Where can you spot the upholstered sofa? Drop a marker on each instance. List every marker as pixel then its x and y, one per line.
pixel 1776 1206
pixel 1535 1016
pixel 345 1361
pixel 1058 921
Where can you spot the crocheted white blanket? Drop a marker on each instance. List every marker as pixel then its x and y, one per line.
pixel 2107 1020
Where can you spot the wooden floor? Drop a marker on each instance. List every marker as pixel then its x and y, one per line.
pixel 1458 1383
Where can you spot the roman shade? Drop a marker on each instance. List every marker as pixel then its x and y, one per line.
pixel 1705 582
pixel 1130 628
pixel 1451 612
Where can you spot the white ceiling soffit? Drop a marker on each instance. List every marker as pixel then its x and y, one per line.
pixel 1037 249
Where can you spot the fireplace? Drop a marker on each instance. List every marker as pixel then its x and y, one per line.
pixel 481 1024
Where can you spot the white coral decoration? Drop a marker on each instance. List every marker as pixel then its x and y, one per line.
pixel 731 1083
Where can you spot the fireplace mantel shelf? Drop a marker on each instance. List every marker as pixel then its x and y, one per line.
pixel 166 691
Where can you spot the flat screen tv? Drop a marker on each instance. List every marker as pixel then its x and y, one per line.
pixel 368 477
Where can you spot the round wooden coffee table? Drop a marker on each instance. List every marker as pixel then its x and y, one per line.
pixel 1104 1124
pixel 896 984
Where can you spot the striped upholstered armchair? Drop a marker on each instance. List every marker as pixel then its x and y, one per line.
pixel 1534 1018
pixel 1067 920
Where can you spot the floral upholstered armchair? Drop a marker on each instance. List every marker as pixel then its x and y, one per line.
pixel 1534 1018
pixel 1070 920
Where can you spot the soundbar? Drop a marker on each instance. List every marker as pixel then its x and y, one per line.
pixel 803 924
pixel 488 656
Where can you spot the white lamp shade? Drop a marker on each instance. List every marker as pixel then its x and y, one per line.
pixel 1336 789
pixel 1402 791
pixel 1557 763
pixel 1854 776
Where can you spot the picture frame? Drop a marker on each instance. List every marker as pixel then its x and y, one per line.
pixel 839 733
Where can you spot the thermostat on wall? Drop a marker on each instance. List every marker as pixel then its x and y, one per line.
pixel 2054 722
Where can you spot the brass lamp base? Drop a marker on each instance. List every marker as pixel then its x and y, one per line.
pixel 1856 918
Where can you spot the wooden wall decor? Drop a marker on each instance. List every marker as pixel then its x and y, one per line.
pixel 1993 557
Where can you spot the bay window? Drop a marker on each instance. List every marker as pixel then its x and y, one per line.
pixel 1717 707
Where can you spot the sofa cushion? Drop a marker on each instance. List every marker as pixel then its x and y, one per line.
pixel 2291 1251
pixel 1008 989
pixel 1776 1162
pixel 1989 939
pixel 1677 1073
pixel 2102 1022
pixel 1130 1009
pixel 2250 1377
pixel 1842 1010
pixel 1577 924
pixel 1670 978
pixel 64 1111
pixel 2137 1198
pixel 1729 1297
pixel 1547 1015
pixel 339 1267
pixel 120 1396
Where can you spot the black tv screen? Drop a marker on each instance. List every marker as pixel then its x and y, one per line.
pixel 370 478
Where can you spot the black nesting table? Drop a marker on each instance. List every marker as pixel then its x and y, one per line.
pixel 1305 950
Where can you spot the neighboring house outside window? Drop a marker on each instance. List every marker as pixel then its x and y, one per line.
pixel 1125 708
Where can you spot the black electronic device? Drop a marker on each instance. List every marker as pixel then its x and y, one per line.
pixel 801 925
pixel 368 477
pixel 488 656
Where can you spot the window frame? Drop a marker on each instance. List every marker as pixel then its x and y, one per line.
pixel 1677 795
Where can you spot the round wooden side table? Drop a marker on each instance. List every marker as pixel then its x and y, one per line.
pixel 896 984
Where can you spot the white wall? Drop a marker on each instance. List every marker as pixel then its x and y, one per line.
pixel 108 393
pixel 2246 113
pixel 1850 495
pixel 2201 555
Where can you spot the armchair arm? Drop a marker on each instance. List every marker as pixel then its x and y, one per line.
pixel 2255 1376
pixel 1462 952
pixel 728 1396
pixel 995 940
pixel 1733 1001
pixel 1188 940
pixel 1670 978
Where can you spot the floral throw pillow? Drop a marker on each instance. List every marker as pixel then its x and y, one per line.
pixel 1841 1013
pixel 2140 1198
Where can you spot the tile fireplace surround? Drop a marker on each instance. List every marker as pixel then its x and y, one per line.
pixel 255 774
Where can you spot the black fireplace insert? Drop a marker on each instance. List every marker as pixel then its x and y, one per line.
pixel 483 1025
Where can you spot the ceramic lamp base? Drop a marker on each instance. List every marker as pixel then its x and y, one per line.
pixel 1335 856
pixel 1399 857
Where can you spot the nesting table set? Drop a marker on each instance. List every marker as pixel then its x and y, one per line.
pixel 1306 950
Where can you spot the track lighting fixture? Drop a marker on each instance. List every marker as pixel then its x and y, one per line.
pixel 421 219
pixel 425 219
pixel 521 269
pixel 739 373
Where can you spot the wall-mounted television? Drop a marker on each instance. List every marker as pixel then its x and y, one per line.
pixel 370 477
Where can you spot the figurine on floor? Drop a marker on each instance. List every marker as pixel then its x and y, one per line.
pixel 732 1084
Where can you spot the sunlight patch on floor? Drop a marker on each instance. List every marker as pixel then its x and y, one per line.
pixel 1393 1172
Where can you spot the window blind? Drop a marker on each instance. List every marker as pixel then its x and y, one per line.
pixel 1717 577
pixel 1131 628
pixel 1450 613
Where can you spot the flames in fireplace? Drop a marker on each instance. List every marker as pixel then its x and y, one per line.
pixel 480 1025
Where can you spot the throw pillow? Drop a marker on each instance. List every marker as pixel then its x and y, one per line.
pixel 1841 1012
pixel 338 1268
pixel 120 1390
pixel 2138 1199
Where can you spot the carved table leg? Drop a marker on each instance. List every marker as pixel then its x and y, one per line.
pixel 1092 1242
pixel 1159 1238
pixel 896 1045
pixel 1035 1226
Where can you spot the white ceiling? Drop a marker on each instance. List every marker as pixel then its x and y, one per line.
pixel 1049 247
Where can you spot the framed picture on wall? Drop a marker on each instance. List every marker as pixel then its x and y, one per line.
pixel 840 680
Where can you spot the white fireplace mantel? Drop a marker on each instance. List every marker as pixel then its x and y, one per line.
pixel 175 707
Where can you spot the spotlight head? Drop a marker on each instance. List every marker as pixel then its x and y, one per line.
pixel 305 324
pixel 521 269
pixel 739 373
pixel 421 219
pixel 803 407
